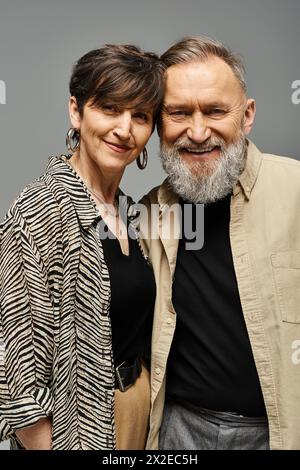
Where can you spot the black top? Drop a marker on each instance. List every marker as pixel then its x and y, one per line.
pixel 133 293
pixel 211 363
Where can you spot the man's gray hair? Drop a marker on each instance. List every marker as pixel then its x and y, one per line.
pixel 201 48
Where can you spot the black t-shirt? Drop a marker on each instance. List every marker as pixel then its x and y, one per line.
pixel 211 363
pixel 132 299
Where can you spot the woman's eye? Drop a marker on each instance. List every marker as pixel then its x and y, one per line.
pixel 141 116
pixel 109 108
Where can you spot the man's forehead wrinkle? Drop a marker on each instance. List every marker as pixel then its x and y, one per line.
pixel 183 88
pixel 205 101
pixel 213 76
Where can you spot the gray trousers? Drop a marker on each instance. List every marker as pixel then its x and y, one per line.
pixel 200 429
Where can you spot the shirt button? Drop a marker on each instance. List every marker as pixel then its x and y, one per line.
pixel 169 321
pixel 157 371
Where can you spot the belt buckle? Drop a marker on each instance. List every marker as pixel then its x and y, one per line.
pixel 119 378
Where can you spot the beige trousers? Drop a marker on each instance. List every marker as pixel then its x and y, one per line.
pixel 132 409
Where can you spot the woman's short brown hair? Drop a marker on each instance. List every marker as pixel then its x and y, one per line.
pixel 118 74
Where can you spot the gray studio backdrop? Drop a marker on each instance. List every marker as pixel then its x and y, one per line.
pixel 39 42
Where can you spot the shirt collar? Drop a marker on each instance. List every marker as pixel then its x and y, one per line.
pixel 61 170
pixel 249 176
pixel 166 195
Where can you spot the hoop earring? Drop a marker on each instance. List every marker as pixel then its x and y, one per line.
pixel 142 165
pixel 72 140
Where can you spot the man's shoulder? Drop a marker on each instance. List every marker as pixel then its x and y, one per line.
pixel 281 167
pixel 274 160
pixel 279 177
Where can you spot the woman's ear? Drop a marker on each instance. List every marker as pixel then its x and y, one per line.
pixel 249 115
pixel 74 113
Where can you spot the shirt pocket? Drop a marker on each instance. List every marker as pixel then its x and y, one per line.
pixel 286 270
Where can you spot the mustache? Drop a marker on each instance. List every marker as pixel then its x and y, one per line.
pixel 213 142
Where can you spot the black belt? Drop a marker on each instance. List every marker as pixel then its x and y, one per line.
pixel 126 374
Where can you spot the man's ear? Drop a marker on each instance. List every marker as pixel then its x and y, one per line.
pixel 249 115
pixel 74 114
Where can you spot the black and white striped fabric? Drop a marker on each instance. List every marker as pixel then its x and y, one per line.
pixel 55 334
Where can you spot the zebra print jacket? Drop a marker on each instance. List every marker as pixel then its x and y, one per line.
pixel 55 334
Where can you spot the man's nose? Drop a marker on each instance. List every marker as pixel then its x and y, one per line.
pixel 123 125
pixel 198 131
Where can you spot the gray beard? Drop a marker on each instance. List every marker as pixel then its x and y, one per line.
pixel 205 182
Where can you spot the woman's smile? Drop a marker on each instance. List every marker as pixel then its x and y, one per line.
pixel 117 147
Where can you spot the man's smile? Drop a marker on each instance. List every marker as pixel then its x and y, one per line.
pixel 200 153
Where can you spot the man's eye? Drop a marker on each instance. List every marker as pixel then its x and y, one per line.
pixel 179 113
pixel 216 111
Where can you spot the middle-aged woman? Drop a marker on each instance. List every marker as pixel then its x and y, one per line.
pixel 76 292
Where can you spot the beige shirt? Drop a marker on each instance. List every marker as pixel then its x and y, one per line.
pixel 265 242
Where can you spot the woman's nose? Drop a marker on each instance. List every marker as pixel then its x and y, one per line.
pixel 123 125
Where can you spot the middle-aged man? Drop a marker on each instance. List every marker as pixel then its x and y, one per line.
pixel 226 336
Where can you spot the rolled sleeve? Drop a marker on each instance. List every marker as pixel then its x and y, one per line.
pixel 25 411
pixel 26 330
